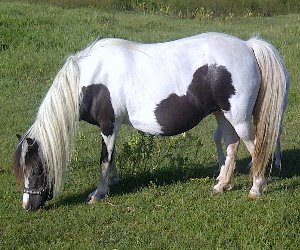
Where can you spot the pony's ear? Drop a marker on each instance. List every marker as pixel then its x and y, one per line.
pixel 19 137
pixel 30 142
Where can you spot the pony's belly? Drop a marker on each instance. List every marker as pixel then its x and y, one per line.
pixel 147 125
pixel 177 114
pixel 172 124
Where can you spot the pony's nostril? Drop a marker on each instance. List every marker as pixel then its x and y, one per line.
pixel 27 207
pixel 30 208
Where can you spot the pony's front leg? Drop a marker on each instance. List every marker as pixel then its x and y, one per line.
pixel 108 172
pixel 113 176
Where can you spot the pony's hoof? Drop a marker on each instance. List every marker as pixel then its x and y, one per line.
pixel 216 191
pixel 254 196
pixel 95 198
pixel 229 187
pixel 91 200
pixel 220 188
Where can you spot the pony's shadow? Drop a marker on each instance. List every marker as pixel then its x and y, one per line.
pixel 163 177
pixel 133 183
pixel 290 165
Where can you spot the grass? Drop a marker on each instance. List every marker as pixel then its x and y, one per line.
pixel 198 9
pixel 163 200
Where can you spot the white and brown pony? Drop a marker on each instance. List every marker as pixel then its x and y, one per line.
pixel 163 89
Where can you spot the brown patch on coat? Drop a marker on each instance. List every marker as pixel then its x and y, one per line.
pixel 209 91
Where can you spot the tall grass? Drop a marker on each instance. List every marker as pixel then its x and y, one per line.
pixel 187 8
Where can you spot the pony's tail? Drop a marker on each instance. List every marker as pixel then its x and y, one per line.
pixel 269 106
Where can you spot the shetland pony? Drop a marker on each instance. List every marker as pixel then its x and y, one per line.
pixel 162 89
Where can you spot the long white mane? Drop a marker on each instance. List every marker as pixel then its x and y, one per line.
pixel 57 121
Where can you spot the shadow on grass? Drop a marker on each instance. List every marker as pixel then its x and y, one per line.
pixel 133 183
pixel 163 177
pixel 290 163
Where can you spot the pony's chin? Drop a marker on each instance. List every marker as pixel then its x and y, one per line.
pixel 30 208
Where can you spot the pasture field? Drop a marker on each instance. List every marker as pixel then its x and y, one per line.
pixel 197 9
pixel 163 200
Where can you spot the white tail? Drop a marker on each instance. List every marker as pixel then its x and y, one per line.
pixel 269 106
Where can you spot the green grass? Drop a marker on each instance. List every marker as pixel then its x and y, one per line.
pixel 163 200
pixel 198 9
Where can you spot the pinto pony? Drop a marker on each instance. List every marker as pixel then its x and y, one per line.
pixel 162 89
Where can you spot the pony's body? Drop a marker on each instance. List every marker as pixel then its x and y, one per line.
pixel 140 76
pixel 166 89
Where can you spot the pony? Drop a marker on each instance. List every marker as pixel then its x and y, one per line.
pixel 162 89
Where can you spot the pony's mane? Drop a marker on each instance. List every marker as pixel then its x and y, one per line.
pixel 57 121
pixel 108 42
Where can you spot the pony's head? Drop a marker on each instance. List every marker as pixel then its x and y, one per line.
pixel 30 169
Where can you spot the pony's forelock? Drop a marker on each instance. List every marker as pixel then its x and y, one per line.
pixel 17 166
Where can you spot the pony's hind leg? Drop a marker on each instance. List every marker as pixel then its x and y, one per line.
pixel 232 141
pixel 218 142
pixel 108 171
pixel 246 132
pixel 278 149
pixel 278 155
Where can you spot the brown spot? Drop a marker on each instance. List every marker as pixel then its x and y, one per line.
pixel 210 90
pixel 96 108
